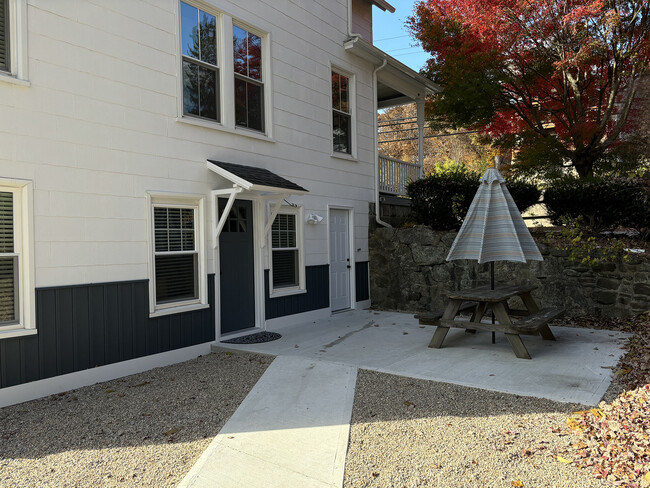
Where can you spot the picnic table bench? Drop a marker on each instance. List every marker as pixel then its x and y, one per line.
pixel 512 322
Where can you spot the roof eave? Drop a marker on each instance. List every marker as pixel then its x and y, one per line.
pixel 384 5
pixel 376 56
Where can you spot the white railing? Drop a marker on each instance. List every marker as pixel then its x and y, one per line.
pixel 394 175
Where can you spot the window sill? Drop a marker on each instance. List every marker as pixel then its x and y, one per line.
pixel 218 126
pixel 8 78
pixel 9 333
pixel 282 292
pixel 180 309
pixel 344 156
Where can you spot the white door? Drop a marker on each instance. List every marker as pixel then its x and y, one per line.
pixel 340 265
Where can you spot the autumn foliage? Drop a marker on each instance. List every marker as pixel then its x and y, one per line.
pixel 554 79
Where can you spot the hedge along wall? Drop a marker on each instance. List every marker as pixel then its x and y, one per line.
pixel 408 272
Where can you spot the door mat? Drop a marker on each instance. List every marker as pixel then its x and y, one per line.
pixel 254 338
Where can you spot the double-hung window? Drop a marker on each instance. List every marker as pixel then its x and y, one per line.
pixel 177 257
pixel 341 114
pixel 200 63
pixel 286 252
pixel 10 262
pixel 13 42
pixel 249 85
pixel 16 274
pixel 5 53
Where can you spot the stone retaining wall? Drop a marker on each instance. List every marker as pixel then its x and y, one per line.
pixel 408 272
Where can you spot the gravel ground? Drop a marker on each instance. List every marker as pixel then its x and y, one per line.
pixel 146 429
pixel 416 433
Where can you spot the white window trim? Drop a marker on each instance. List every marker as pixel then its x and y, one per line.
pixel 18 57
pixel 301 287
pixel 227 76
pixel 23 228
pixel 177 200
pixel 352 100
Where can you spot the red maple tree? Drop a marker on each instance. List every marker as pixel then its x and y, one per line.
pixel 554 79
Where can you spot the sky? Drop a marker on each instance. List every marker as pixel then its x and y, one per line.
pixel 391 36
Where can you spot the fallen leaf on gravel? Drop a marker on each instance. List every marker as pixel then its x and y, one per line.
pixel 408 404
pixel 141 384
pixel 564 460
pixel 173 430
pixel 517 484
pixel 110 390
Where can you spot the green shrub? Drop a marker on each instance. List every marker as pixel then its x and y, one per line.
pixel 442 199
pixel 523 193
pixel 601 203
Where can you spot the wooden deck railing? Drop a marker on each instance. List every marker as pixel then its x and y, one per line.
pixel 394 175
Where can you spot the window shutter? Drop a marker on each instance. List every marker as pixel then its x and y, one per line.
pixel 4 36
pixel 8 264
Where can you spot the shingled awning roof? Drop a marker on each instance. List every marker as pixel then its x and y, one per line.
pixel 254 179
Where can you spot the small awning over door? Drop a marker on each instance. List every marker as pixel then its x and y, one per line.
pixel 251 179
pixel 255 179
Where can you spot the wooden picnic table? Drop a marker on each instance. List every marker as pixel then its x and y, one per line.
pixel 512 322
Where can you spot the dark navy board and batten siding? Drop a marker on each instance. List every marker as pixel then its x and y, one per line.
pixel 85 326
pixel 362 281
pixel 317 295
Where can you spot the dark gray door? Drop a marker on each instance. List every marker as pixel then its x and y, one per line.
pixel 237 282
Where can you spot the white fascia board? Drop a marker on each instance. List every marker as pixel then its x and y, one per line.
pixel 376 56
pixel 246 185
pixel 274 190
pixel 384 5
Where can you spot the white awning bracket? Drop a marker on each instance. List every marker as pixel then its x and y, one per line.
pixel 274 213
pixel 232 192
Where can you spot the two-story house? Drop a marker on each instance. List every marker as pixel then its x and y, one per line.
pixel 173 172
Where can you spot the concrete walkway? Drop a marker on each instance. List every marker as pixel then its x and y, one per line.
pixel 290 431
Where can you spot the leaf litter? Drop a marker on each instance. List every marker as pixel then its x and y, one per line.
pixel 613 440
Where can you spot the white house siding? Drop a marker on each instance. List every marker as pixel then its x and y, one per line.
pixel 98 127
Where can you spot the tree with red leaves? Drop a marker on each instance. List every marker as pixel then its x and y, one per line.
pixel 556 80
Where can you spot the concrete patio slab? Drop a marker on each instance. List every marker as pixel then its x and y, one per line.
pixel 291 430
pixel 575 368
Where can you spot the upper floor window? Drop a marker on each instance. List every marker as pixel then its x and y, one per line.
pixel 200 63
pixel 341 114
pixel 4 36
pixel 249 83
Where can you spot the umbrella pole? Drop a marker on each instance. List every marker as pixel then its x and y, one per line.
pixel 492 288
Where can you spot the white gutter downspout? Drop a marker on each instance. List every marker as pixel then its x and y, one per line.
pixel 350 33
pixel 376 151
pixel 355 36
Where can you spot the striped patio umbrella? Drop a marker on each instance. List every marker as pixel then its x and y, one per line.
pixel 493 229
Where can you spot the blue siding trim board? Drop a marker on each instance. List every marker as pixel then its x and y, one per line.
pixel 85 326
pixel 362 281
pixel 316 297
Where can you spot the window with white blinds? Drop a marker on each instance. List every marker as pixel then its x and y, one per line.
pixel 9 262
pixel 176 254
pixel 286 252
pixel 4 36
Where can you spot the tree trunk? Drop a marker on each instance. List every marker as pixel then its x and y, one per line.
pixel 584 164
